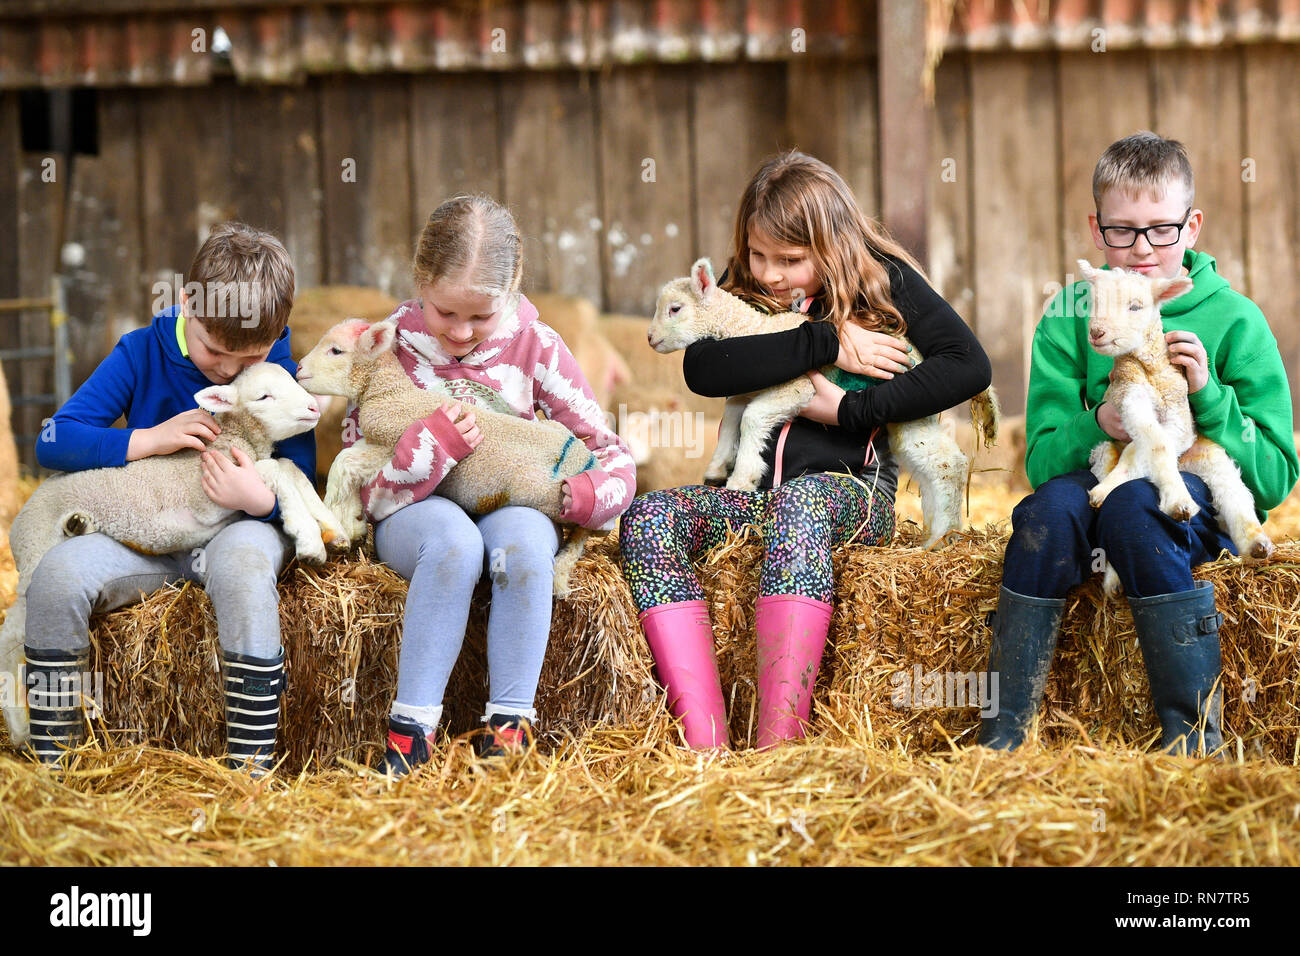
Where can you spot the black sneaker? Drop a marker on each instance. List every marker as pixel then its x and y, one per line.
pixel 506 735
pixel 408 747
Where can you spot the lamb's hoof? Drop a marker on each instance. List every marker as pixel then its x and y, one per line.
pixel 1111 586
pixel 715 480
pixel 942 541
pixel 1262 547
pixel 354 529
pixel 1096 499
pixel 311 552
pixel 334 539
pixel 77 524
pixel 1180 509
pixel 742 483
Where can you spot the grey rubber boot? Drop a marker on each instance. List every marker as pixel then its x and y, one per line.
pixel 1025 630
pixel 1179 637
pixel 253 688
pixel 54 697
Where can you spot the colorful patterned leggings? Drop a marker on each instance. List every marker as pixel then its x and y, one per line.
pixel 800 521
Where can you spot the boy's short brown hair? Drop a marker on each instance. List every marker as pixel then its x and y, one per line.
pixel 1143 162
pixel 240 286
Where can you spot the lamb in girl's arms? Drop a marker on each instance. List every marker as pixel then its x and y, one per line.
pixel 693 308
pixel 519 462
pixel 1150 394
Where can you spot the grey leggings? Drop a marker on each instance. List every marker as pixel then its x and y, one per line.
pixel 238 568
pixel 443 552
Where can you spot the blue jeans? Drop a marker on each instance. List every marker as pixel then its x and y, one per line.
pixel 1056 535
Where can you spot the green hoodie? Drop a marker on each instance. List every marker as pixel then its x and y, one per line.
pixel 1245 406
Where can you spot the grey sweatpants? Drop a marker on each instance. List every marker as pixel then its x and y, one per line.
pixel 238 568
pixel 443 552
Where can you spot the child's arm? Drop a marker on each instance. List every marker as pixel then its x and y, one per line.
pixel 80 435
pixel 1246 407
pixel 720 368
pixel 425 453
pixel 955 367
pixel 1060 430
pixel 599 495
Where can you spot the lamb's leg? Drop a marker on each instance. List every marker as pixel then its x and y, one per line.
pixel 766 410
pixel 1232 499
pixel 331 531
pixel 352 468
pixel 986 416
pixel 12 690
pixel 936 462
pixel 298 523
pixel 724 455
pixel 568 556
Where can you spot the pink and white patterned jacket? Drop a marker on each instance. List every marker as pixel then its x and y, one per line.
pixel 523 366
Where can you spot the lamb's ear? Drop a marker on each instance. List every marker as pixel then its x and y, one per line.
pixel 702 281
pixel 1086 270
pixel 377 339
pixel 1166 290
pixel 217 398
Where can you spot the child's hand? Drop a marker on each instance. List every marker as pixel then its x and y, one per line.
pixel 876 354
pixel 190 429
pixel 464 422
pixel 1109 420
pixel 1185 349
pixel 825 406
pixel 236 485
pixel 568 497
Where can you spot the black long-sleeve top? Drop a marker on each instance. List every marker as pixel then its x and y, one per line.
pixel 955 369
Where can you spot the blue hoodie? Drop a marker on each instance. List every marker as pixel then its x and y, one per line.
pixel 147 379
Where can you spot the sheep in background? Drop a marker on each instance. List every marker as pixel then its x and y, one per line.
pixel 576 321
pixel 157 504
pixel 1150 394
pixel 8 463
pixel 693 308
pixel 518 462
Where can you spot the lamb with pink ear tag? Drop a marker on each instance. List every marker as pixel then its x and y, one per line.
pixel 1150 394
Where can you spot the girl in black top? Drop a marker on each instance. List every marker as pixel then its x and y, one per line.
pixel 801 242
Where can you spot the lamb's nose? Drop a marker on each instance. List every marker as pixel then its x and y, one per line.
pixel 313 408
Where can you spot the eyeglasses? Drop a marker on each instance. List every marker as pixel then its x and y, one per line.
pixel 1161 234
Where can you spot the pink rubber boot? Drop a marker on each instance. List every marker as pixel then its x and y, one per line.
pixel 681 640
pixel 791 637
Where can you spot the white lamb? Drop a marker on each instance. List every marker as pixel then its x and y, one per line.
pixel 518 462
pixel 157 505
pixel 1150 394
pixel 693 308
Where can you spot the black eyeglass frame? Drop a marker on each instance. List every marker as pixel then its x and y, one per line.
pixel 1142 231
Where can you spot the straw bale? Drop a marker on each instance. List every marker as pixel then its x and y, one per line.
pixel 897 608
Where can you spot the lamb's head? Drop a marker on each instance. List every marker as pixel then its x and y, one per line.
pixel 682 309
pixel 1125 310
pixel 342 360
pixel 268 393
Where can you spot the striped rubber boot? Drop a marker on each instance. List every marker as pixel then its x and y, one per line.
pixel 54 696
pixel 253 688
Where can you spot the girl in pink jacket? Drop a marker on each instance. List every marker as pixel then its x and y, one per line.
pixel 474 332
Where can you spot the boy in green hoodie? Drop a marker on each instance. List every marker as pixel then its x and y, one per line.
pixel 1145 222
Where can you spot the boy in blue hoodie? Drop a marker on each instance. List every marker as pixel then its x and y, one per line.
pixel 240 290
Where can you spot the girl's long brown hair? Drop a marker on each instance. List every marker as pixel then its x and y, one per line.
pixel 800 201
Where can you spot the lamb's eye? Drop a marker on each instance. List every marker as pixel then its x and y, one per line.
pixel 335 350
pixel 264 398
pixel 1135 306
pixel 674 308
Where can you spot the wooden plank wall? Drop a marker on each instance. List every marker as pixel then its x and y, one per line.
pixel 1014 140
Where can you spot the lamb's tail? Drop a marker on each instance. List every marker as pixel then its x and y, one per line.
pixel 986 416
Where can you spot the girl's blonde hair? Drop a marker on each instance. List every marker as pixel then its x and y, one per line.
pixel 800 201
pixel 474 239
